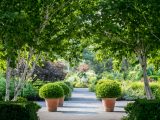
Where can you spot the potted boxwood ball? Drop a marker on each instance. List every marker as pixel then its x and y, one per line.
pixel 51 92
pixel 66 90
pixel 108 91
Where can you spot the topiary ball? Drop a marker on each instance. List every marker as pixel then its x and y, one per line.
pixel 51 90
pixel 65 87
pixel 108 89
pixel 102 81
pixel 69 84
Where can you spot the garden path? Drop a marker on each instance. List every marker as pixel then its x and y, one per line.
pixel 82 106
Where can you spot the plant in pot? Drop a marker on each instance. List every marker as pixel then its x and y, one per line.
pixel 66 90
pixel 108 91
pixel 51 92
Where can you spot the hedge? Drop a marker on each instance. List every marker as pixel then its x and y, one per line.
pixel 18 111
pixel 143 110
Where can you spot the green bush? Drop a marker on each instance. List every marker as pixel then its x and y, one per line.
pixel 71 89
pixel 92 87
pixel 135 90
pixel 154 77
pixel 69 84
pixel 81 85
pixel 137 85
pixel 74 83
pixel 65 87
pixel 21 99
pixel 18 111
pixel 155 87
pixel 108 89
pixel 92 84
pixel 29 91
pixel 38 83
pixel 103 80
pixel 100 82
pixel 51 90
pixel 92 80
pixel 2 87
pixel 115 75
pixel 143 110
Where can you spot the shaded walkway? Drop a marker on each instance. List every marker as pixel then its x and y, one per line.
pixel 82 106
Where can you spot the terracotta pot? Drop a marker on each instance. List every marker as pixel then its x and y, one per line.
pixel 109 104
pixel 61 101
pixel 52 104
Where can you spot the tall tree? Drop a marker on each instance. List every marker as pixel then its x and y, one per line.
pixel 128 26
pixel 51 26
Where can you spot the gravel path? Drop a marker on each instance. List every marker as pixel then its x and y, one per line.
pixel 82 106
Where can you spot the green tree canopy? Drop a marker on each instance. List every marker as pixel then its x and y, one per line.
pixel 128 26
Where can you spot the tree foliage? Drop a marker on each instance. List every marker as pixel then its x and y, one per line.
pixel 49 71
pixel 49 26
pixel 128 26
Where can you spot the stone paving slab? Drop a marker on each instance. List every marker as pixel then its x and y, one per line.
pixel 82 106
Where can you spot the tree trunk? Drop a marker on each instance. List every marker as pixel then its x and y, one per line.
pixel 25 75
pixel 8 76
pixel 143 62
pixel 19 85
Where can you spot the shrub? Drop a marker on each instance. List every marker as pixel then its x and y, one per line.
pixel 92 87
pixel 143 110
pixel 92 80
pixel 21 99
pixel 131 94
pixel 65 87
pixel 71 89
pixel 38 83
pixel 49 71
pixel 29 92
pixel 135 90
pixel 108 89
pixel 2 87
pixel 18 110
pixel 81 85
pixel 51 90
pixel 137 85
pixel 102 81
pixel 69 84
pixel 154 77
pixel 155 87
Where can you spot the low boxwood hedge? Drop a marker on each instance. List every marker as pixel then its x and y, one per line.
pixel 18 111
pixel 143 109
